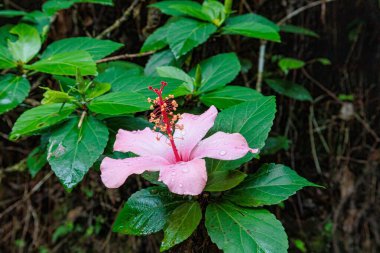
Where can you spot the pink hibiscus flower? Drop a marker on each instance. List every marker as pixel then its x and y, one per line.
pixel 179 156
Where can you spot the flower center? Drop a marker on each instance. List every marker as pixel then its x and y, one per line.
pixel 163 116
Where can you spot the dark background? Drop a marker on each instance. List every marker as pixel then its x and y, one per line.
pixel 331 144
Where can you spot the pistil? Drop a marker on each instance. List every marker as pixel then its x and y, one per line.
pixel 163 116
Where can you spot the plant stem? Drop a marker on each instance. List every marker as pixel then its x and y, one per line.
pixel 260 68
pixel 228 6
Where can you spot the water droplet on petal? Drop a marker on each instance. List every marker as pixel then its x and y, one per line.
pixel 172 180
pixel 222 153
pixel 185 169
pixel 180 185
pixel 173 173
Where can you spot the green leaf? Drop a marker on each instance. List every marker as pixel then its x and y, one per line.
pixel 67 63
pixel 252 25
pixel 11 13
pixel 287 64
pixel 128 123
pixel 6 59
pixel 237 229
pixel 181 8
pixel 270 185
pixel 116 103
pixel 224 180
pixel 40 20
pixel 229 96
pixel 97 89
pixel 217 71
pixel 140 85
pixel 181 224
pixel 36 160
pixel 157 40
pixel 102 2
pixel 298 30
pixel 251 119
pixel 52 6
pixel 72 150
pixel 146 211
pixel 27 45
pixel 134 68
pixel 39 118
pixel 289 89
pixel 163 58
pixel 185 34
pixel 275 144
pixel 96 48
pixel 176 73
pixel 116 76
pixel 13 90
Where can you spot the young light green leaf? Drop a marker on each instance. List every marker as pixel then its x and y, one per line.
pixel 251 119
pixel 67 63
pixel 116 103
pixel 96 48
pixel 36 160
pixel 72 150
pixel 323 61
pixel 298 30
pixel 163 58
pixel 28 43
pixel 182 8
pixel 252 25
pixel 39 118
pixel 237 229
pixel 54 96
pixel 229 96
pixel 217 71
pixel 181 224
pixel 176 73
pixel 185 34
pixel 287 64
pixel 146 211
pixel 13 90
pixel 224 180
pixel 270 185
pixel 215 11
pixel 289 89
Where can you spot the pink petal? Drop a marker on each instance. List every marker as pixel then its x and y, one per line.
pixel 144 143
pixel 195 127
pixel 114 172
pixel 187 178
pixel 222 146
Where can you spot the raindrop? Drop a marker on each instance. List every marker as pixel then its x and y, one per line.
pixel 172 180
pixel 180 185
pixel 184 169
pixel 222 153
pixel 173 173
